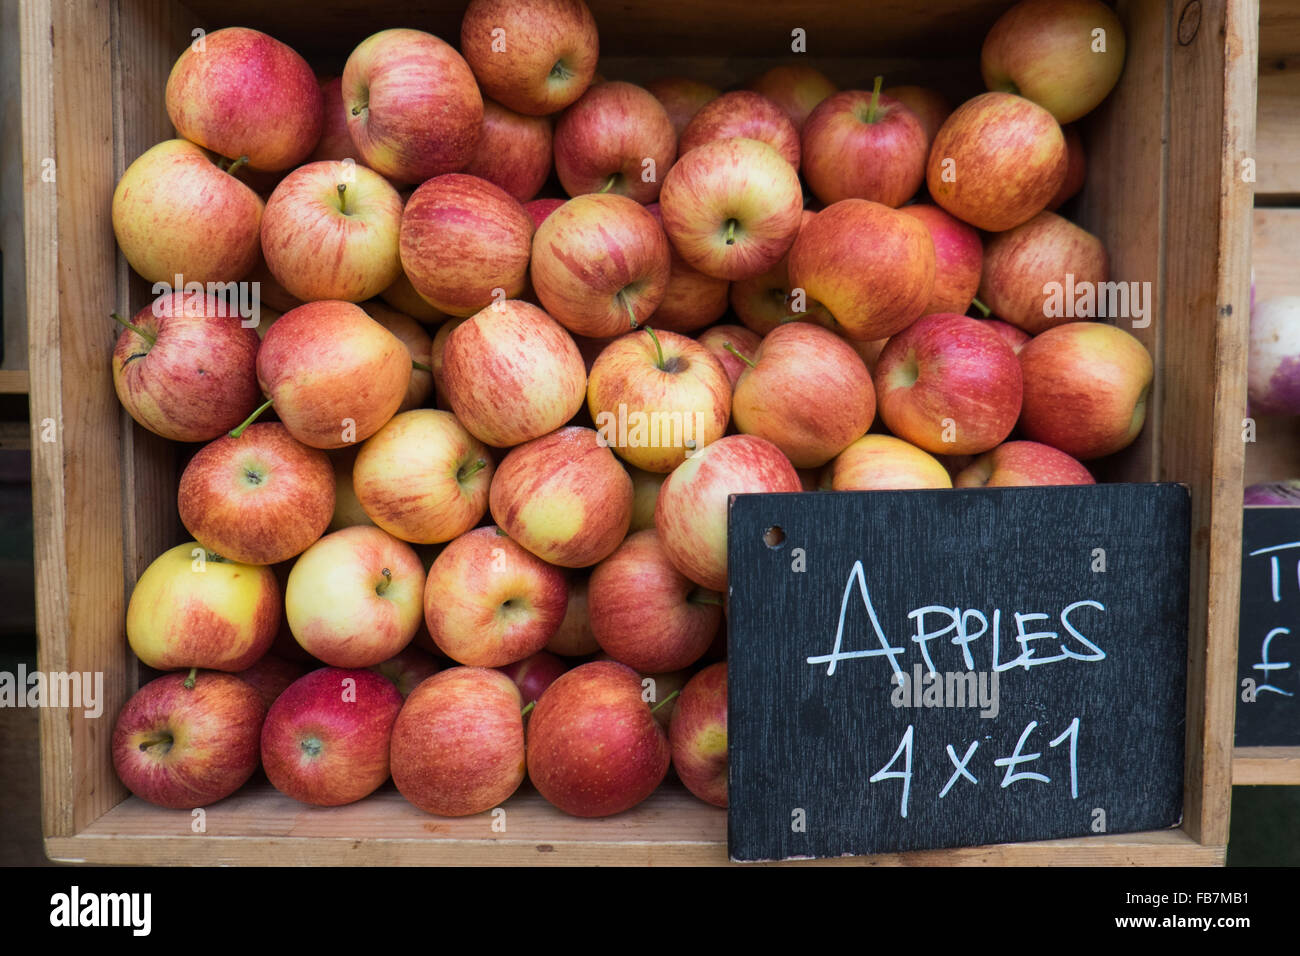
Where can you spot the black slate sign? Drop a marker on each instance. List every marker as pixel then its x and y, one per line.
pixel 1268 639
pixel 1054 621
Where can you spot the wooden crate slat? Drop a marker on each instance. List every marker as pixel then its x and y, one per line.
pixel 1277 168
pixel 1265 766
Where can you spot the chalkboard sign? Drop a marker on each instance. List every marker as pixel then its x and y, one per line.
pixel 1268 639
pixel 921 669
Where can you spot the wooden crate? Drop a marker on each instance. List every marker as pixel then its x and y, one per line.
pixel 1275 455
pixel 1164 193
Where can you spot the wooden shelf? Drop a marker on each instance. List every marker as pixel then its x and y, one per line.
pixel 1265 766
pixel 14 382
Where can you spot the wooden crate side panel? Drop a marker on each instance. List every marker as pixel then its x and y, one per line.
pixel 1265 766
pixel 1279 28
pixel 1206 316
pixel 1278 148
pixel 12 280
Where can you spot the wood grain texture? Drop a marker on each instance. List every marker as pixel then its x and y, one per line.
pixel 16 381
pixel 261 827
pixel 1277 150
pixel 1265 766
pixel 1275 253
pixel 1279 29
pixel 12 279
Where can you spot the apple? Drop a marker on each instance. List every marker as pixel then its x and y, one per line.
pixel 691 514
pixel 767 300
pixel 177 212
pixel 534 674
pixel 647 614
pixel 871 266
pixel 949 385
pixel 274 298
pixel 797 90
pixel 458 743
pixel 658 397
pixel 512 374
pixel 1065 55
pixel 465 243
pixel 885 463
pixel 325 739
pixel 543 58
pixel 540 209
pixel 807 392
pixel 1014 337
pixel 335 140
pixel 257 499
pixel 347 507
pixel 270 674
pixel 407 669
pixel 600 265
pixel 716 340
pixel 616 139
pixel 334 374
pixel 185 367
pixel 242 93
pixel 564 497
pixel 183 747
pixel 594 749
pixel 698 735
pixel 692 299
pixel 732 208
pixel 514 152
pixel 958 258
pixel 574 637
pixel 401 295
pixel 1020 464
pixel 353 597
pixel 1273 362
pixel 997 161
pixel 862 145
pixel 193 608
pixel 1023 265
pixel 330 232
pixel 422 477
pixel 682 98
pixel 418 343
pixel 1076 170
pixel 929 106
pixel 436 356
pixel 1086 388
pixel 488 602
pixel 745 114
pixel 414 109
pixel 664 689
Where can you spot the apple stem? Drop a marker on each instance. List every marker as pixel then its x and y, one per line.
pixel 343 198
pixel 739 354
pixel 421 366
pixel 984 309
pixel 731 232
pixel 239 430
pixel 622 297
pixel 528 708
pixel 609 183
pixel 473 470
pixel 875 99
pixel 664 701
pixel 659 349
pixel 235 164
pixel 382 586
pixel 707 597
pixel 143 333
pixel 191 678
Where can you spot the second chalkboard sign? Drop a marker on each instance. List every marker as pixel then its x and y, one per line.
pixel 924 669
pixel 1268 673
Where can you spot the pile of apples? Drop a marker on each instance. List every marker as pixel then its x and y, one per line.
pixel 527 507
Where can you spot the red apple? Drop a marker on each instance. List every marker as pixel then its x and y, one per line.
pixel 958 258
pixel 185 747
pixel 1030 272
pixel 600 265
pixel 885 463
pixel 766 301
pixel 1023 463
pixel 347 507
pixel 335 140
pixel 594 749
pixel 783 396
pixel 541 60
pixel 407 669
pixel 861 145
pixel 422 477
pixel 692 299
pixel 418 343
pixel 616 139
pixel 540 209
pixel 743 113
pixel 354 597
pixel 1013 336
pixel 488 602
pixel 512 374
pixel 871 266
pixel 647 614
pixel 330 232
pixel 564 497
pixel 739 338
pixel 435 359
pixel 534 674
pixel 574 637
pixel 325 740
pixel 1076 170
pixel 270 674
pixel 732 208
pixel 241 93
pixel 414 109
pixel 401 295
pixel 682 97
pixel 795 89
pixel 691 515
pixel 1086 387
pixel 514 151
pixel 997 161
pixel 698 735
pixel 185 367
pixel 929 106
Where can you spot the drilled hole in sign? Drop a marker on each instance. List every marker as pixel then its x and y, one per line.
pixel 774 537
